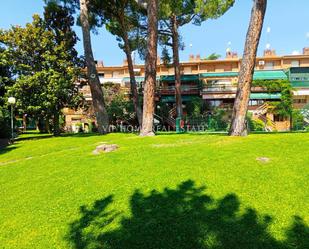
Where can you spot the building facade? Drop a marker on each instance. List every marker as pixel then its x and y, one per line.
pixel 215 82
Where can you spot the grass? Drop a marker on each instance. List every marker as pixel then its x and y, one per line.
pixel 170 191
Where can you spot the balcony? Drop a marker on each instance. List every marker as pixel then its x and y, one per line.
pixel 185 90
pixel 222 88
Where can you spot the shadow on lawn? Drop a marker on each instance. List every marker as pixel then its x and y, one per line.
pixel 4 150
pixel 181 218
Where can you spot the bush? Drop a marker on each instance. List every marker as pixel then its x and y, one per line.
pixel 218 121
pixel 194 107
pixel 258 125
pixel 4 123
pixel 255 124
pixel 120 109
pixel 298 121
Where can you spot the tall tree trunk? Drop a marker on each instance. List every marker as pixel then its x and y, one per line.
pixel 150 68
pixel 46 124
pixel 238 126
pixel 56 124
pixel 176 63
pixel 133 85
pixel 24 122
pixel 94 82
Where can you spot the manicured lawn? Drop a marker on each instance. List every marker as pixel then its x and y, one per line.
pixel 171 191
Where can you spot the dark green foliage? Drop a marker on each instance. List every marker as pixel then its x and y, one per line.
pixel 121 18
pixel 119 107
pixel 4 123
pixel 284 107
pixel 218 120
pixel 255 125
pixel 194 107
pixel 298 122
pixel 188 11
pixel 5 82
pixel 45 63
pixel 213 56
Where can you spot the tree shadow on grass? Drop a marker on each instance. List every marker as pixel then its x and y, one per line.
pixel 4 150
pixel 181 218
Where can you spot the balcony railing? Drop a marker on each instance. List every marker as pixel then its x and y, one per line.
pixel 226 88
pixel 170 90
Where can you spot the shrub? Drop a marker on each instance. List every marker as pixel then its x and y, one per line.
pixel 258 125
pixel 298 120
pixel 4 123
pixel 255 124
pixel 218 121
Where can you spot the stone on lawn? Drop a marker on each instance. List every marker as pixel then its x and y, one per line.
pixel 105 148
pixel 263 159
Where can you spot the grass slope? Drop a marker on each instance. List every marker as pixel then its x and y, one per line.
pixel 169 191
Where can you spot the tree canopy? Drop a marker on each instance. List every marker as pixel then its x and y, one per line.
pixel 44 63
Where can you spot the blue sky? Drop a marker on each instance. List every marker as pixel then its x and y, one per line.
pixel 288 20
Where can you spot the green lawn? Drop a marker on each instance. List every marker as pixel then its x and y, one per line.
pixel 170 191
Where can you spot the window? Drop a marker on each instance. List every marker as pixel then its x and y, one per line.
pixel 279 118
pixel 187 70
pixel 300 101
pixel 269 65
pixel 255 102
pixel 215 103
pixel 101 76
pixel 116 74
pixel 295 63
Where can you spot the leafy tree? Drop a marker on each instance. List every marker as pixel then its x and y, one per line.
pixel 86 21
pixel 121 18
pixel 5 81
pixel 150 68
pixel 213 56
pixel 238 126
pixel 45 64
pixel 284 107
pixel 119 108
pixel 176 13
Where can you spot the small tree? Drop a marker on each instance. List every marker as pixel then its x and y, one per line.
pixel 238 126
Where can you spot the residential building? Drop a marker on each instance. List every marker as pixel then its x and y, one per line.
pixel 215 82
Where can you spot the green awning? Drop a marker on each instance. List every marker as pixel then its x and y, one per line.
pixel 183 78
pixel 258 75
pixel 270 75
pixel 299 70
pixel 265 96
pixel 301 84
pixel 219 74
pixel 166 99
